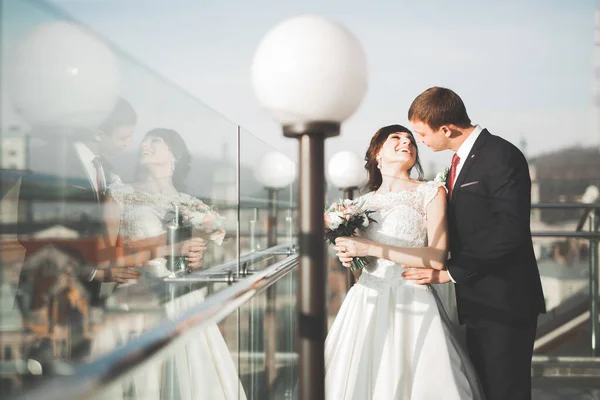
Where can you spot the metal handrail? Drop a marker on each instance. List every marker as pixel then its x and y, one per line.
pixel 88 379
pixel 580 206
pixel 243 261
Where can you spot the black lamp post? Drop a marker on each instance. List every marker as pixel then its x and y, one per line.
pixel 310 74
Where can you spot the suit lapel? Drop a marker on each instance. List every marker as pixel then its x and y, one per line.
pixel 473 155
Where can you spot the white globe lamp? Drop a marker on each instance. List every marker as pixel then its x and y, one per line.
pixel 591 194
pixel 275 170
pixel 309 70
pixel 64 77
pixel 310 74
pixel 346 171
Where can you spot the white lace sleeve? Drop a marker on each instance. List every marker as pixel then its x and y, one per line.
pixel 430 190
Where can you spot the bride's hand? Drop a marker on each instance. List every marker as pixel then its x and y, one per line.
pixel 193 250
pixel 341 255
pixel 352 247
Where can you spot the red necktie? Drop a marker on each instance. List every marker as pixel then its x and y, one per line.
pixel 452 174
pixel 100 182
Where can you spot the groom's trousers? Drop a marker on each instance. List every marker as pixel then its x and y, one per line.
pixel 501 354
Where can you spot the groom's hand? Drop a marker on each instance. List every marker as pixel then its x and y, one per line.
pixel 116 274
pixel 424 276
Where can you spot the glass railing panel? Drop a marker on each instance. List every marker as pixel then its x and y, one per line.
pixel 267 195
pixel 249 354
pixel 85 245
pixel 268 358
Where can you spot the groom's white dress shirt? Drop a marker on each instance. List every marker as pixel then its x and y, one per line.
pixel 86 156
pixel 463 153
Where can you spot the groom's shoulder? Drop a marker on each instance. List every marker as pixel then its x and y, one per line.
pixel 502 147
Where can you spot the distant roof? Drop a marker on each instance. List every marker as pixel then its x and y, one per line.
pixel 569 163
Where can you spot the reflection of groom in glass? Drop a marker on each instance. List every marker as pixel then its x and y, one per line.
pixel 68 180
pixel 80 174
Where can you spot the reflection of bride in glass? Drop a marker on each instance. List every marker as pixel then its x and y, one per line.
pixel 204 368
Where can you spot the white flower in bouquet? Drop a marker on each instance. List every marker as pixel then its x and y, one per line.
pixel 365 222
pixel 334 220
pixel 206 220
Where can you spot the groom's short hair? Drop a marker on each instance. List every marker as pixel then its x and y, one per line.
pixel 439 106
pixel 122 114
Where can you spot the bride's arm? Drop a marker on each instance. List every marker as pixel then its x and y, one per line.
pixel 433 256
pixel 137 252
pixel 112 219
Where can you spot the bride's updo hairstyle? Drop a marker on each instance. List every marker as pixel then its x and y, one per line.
pixel 377 141
pixel 177 146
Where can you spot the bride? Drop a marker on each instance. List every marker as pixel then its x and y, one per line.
pixel 392 338
pixel 203 366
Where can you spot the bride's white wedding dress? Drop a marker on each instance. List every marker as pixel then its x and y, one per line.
pixel 204 367
pixel 392 338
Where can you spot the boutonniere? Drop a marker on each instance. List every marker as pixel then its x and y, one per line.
pixel 442 176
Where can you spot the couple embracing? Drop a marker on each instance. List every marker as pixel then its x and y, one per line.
pixel 392 338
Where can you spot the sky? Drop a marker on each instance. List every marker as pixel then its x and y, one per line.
pixel 524 68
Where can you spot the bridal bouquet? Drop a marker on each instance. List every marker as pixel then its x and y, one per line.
pixel 204 219
pixel 345 218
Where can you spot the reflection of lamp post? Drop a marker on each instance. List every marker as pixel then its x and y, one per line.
pixel 347 173
pixel 64 81
pixel 274 171
pixel 310 75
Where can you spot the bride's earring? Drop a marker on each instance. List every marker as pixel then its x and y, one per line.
pixel 379 162
pixel 172 164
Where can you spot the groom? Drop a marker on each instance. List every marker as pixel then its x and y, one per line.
pixel 498 289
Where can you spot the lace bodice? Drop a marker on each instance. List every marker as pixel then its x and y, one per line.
pixel 401 221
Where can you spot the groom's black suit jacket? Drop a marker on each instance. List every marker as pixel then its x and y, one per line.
pixel 57 186
pixel 491 251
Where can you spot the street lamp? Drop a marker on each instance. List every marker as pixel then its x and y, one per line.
pixel 310 74
pixel 346 171
pixel 274 171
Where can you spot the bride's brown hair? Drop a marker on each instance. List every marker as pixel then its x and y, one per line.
pixel 377 141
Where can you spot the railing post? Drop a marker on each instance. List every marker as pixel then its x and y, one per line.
pixel 594 285
pixel 270 315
